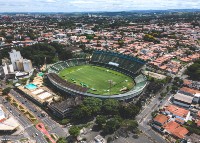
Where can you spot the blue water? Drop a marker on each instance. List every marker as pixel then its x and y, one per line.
pixel 40 74
pixel 31 86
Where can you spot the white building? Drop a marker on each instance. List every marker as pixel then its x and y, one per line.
pixel 177 112
pixel 27 65
pixel 20 64
pixel 7 69
pixel 7 124
pixel 15 56
pixel 61 36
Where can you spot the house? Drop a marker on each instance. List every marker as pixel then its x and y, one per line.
pixel 191 92
pixel 183 100
pixel 160 119
pixel 175 129
pixel 177 112
pixel 188 91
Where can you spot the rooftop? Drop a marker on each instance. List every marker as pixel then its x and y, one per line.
pixel 161 118
pixel 9 124
pixel 183 98
pixel 175 129
pixel 189 90
pixel 177 110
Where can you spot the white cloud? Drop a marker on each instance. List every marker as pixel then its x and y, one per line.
pixel 94 5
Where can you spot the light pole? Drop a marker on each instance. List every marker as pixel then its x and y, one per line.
pixel 110 84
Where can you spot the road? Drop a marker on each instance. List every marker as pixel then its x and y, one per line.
pixel 145 116
pixel 141 139
pixel 28 126
pixel 51 125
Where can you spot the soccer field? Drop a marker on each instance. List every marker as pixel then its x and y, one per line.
pixel 99 80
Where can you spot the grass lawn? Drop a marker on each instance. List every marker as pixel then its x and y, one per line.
pixel 97 79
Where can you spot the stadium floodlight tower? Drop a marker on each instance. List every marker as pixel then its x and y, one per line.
pixel 110 84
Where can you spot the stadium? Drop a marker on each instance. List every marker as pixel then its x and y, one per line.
pixel 105 75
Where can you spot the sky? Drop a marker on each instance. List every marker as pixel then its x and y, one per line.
pixel 94 5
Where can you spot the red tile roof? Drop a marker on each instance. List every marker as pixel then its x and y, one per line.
pixel 189 90
pixel 177 110
pixel 187 82
pixel 175 129
pixel 161 118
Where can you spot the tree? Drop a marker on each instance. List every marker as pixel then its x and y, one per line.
pixel 94 104
pixel 130 124
pixel 61 140
pixel 90 107
pixel 89 36
pixel 112 125
pixel 74 131
pixel 121 43
pixel 194 71
pixel 6 91
pixel 109 140
pixel 38 52
pixel 129 111
pixel 100 120
pixel 64 121
pixel 111 106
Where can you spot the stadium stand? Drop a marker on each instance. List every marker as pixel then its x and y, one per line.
pixel 67 84
pixel 126 62
pixel 122 63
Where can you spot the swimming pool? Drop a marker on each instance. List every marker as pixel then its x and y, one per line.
pixel 40 74
pixel 31 86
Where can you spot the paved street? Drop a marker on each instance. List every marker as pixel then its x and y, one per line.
pixel 28 126
pixel 145 116
pixel 142 139
pixel 53 127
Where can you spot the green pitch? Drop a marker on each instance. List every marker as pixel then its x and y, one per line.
pixel 99 80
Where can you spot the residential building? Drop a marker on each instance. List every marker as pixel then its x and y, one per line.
pixel 161 119
pixel 27 64
pixel 177 112
pixel 175 129
pixel 182 100
pixel 15 56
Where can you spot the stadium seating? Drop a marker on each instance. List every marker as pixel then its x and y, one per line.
pixel 57 67
pixel 126 62
pixel 65 83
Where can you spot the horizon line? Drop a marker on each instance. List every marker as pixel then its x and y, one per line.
pixel 104 11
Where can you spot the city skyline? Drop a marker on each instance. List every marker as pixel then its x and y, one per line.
pixel 94 5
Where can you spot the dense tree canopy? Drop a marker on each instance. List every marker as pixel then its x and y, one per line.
pixel 89 107
pixel 4 54
pixel 37 53
pixel 112 125
pixel 194 70
pixel 130 124
pixel 6 91
pixel 109 113
pixel 61 50
pixel 100 120
pixel 129 111
pixel 74 131
pixel 53 52
pixel 111 106
pixel 61 140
